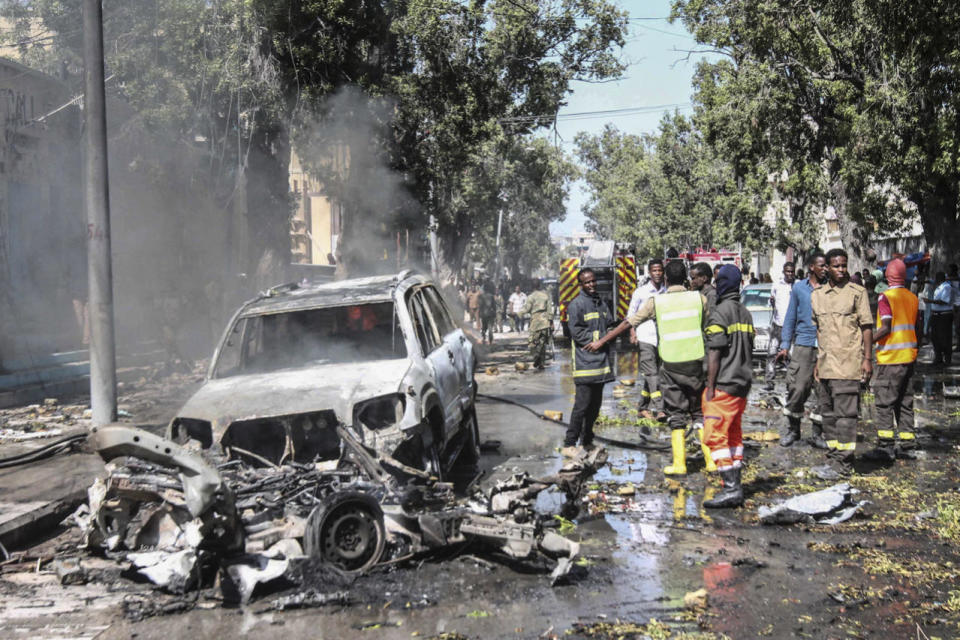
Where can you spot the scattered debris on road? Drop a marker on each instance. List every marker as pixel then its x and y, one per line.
pixel 836 501
pixel 180 517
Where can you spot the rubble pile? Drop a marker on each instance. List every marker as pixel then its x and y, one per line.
pixel 185 519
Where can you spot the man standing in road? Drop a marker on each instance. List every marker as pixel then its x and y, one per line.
pixel 515 307
pixel 729 375
pixel 841 312
pixel 700 276
pixel 540 309
pixel 941 319
pixel 680 318
pixel 645 338
pixel 780 301
pixel 473 304
pixel 896 339
pixel 798 330
pixel 588 317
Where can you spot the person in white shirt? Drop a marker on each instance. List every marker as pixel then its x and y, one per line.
pixel 514 305
pixel 644 336
pixel 780 301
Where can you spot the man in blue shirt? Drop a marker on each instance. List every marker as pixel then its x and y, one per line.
pixel 800 331
pixel 941 319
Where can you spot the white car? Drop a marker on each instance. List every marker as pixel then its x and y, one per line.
pixel 381 355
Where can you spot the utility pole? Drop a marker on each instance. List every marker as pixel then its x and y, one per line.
pixel 496 279
pixel 103 362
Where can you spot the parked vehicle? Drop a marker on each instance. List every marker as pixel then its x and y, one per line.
pixel 381 355
pixel 756 298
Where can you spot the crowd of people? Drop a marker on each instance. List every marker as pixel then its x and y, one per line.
pixel 695 342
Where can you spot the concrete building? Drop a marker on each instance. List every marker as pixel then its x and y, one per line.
pixel 317 218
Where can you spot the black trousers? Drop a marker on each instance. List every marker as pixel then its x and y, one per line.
pixel 941 334
pixel 586 408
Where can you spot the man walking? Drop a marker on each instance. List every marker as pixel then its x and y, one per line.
pixel 896 339
pixel 680 318
pixel 540 309
pixel 487 312
pixel 473 305
pixel 515 305
pixel 588 317
pixel 780 301
pixel 700 276
pixel 941 320
pixel 799 331
pixel 729 375
pixel 645 338
pixel 841 312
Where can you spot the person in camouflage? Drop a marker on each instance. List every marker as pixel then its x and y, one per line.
pixel 540 309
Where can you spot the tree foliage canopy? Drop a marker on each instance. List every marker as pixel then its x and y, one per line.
pixel 668 189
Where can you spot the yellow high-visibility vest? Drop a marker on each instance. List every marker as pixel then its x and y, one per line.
pixel 900 345
pixel 680 326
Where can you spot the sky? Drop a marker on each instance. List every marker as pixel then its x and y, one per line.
pixel 658 73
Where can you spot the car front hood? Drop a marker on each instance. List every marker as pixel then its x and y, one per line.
pixel 263 395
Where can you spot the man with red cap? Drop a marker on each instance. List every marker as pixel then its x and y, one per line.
pixel 896 340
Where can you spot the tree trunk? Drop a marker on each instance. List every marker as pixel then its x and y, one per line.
pixel 854 236
pixel 938 214
pixel 452 247
pixel 269 206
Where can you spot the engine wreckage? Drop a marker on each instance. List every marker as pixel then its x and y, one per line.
pixel 182 517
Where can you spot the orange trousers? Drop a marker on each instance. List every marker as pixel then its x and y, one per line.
pixel 722 432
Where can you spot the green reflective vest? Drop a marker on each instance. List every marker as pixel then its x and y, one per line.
pixel 680 326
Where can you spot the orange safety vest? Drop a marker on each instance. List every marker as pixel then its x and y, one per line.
pixel 900 345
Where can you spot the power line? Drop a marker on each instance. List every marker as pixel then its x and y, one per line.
pixel 586 115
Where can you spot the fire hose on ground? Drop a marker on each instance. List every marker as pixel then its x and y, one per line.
pixel 645 445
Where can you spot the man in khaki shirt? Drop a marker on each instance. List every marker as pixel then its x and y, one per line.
pixel 841 311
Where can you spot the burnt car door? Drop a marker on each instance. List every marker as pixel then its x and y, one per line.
pixel 456 341
pixel 439 358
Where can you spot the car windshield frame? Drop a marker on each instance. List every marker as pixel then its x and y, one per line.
pixel 234 357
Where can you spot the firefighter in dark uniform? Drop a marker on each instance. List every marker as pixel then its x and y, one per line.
pixel 588 318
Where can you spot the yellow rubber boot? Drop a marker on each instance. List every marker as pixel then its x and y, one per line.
pixel 679 445
pixel 680 505
pixel 709 464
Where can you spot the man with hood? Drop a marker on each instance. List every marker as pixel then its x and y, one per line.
pixel 896 340
pixel 729 339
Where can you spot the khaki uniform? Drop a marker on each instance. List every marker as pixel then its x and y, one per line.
pixel 839 313
pixel 540 309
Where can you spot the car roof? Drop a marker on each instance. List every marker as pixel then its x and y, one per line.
pixel 339 293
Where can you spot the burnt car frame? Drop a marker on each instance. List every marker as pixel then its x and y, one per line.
pixel 380 354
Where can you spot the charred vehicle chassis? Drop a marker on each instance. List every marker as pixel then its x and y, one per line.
pixel 179 515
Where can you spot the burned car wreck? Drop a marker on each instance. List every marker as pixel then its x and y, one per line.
pixel 188 518
pixel 381 354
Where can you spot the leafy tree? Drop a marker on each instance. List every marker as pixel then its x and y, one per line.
pixel 529 179
pixel 853 102
pixel 668 189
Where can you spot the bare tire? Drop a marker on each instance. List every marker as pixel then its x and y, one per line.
pixel 470 453
pixel 346 531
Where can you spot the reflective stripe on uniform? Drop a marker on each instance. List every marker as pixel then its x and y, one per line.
pixel 714 328
pixel 898 345
pixel 841 446
pixel 593 315
pixel 655 394
pixel 680 335
pixel 906 435
pixel 677 315
pixel 791 414
pixel 902 327
pixel 591 372
pixel 741 327
pixel 885 433
pixel 645 393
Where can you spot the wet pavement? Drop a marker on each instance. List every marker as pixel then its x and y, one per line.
pixel 646 543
